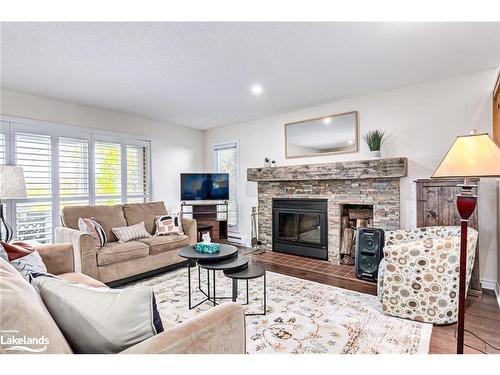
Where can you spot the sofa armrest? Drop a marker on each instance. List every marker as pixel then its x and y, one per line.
pixel 85 255
pixel 58 258
pixel 220 330
pixel 189 227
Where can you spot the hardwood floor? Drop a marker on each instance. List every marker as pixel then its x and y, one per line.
pixel 482 313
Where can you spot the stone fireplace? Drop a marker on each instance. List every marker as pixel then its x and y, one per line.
pixel 374 183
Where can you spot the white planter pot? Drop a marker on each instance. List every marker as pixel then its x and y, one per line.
pixel 375 154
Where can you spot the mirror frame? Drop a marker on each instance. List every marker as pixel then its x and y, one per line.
pixel 356 145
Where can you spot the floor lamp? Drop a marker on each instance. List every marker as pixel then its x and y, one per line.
pixel 473 155
pixel 12 186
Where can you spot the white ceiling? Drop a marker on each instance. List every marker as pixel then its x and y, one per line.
pixel 199 74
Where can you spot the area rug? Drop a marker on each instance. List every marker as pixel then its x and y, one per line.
pixel 302 316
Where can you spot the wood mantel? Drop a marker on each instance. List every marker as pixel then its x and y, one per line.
pixel 346 170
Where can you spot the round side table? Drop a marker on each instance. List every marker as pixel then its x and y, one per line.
pixel 252 271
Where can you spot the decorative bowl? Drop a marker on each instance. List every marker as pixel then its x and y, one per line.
pixel 207 248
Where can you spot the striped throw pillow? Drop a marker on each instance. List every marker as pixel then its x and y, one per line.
pixel 133 232
pixel 168 224
pixel 92 227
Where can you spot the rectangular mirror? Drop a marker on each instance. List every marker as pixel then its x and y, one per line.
pixel 324 135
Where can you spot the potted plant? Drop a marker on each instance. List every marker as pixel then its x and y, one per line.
pixel 374 140
pixel 267 161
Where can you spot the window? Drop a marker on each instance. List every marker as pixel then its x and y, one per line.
pixel 108 173
pixel 68 166
pixel 74 179
pixel 226 160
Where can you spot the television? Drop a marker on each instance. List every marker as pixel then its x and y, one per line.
pixel 204 186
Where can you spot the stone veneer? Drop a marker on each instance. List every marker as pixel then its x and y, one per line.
pixel 371 182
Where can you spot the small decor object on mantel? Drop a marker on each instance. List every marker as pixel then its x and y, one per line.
pixel 374 140
pixel 267 162
pixel 207 248
pixel 273 163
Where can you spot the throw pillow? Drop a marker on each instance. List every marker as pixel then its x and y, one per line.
pixel 132 232
pixel 168 224
pixel 92 227
pixel 100 320
pixel 23 258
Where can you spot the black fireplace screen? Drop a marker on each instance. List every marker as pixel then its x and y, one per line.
pixel 300 227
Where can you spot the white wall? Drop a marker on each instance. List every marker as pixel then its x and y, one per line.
pixel 173 149
pixel 422 122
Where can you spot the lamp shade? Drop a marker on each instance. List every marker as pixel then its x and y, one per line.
pixel 12 185
pixel 474 155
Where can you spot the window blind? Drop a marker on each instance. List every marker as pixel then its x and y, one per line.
pixel 34 215
pixel 137 174
pixel 2 148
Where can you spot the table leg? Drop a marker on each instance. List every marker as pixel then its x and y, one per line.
pixel 215 303
pixel 208 284
pixel 248 302
pixel 235 289
pixel 189 283
pixel 265 295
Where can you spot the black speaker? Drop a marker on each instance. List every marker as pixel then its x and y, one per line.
pixel 369 252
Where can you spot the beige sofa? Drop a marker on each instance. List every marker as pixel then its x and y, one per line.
pixel 122 261
pixel 23 313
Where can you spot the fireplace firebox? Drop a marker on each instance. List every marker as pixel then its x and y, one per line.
pixel 300 227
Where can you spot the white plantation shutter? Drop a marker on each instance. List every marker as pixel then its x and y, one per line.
pixel 74 182
pixel 137 174
pixel 108 173
pixel 3 159
pixel 33 152
pixel 3 156
pixel 69 166
pixel 226 160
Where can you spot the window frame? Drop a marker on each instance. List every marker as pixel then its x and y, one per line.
pixel 11 125
pixel 226 145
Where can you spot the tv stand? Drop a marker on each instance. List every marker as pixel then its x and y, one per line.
pixel 213 213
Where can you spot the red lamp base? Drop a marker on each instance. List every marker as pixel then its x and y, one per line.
pixel 466 204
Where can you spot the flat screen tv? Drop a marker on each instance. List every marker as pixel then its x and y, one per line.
pixel 204 186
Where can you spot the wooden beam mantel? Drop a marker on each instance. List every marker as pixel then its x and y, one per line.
pixel 347 170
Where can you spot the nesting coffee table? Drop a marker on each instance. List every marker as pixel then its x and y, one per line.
pixel 228 260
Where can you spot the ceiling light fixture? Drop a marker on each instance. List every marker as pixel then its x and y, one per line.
pixel 256 90
pixel 327 120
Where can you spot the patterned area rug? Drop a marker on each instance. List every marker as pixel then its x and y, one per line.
pixel 302 316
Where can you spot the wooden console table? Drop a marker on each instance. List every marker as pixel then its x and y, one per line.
pixel 212 214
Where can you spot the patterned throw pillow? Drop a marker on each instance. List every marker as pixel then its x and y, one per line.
pixel 23 258
pixel 92 227
pixel 168 224
pixel 132 232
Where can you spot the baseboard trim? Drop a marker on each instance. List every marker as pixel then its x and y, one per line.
pixel 489 284
pixel 492 285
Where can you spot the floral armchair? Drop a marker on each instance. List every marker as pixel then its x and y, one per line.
pixel 418 277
